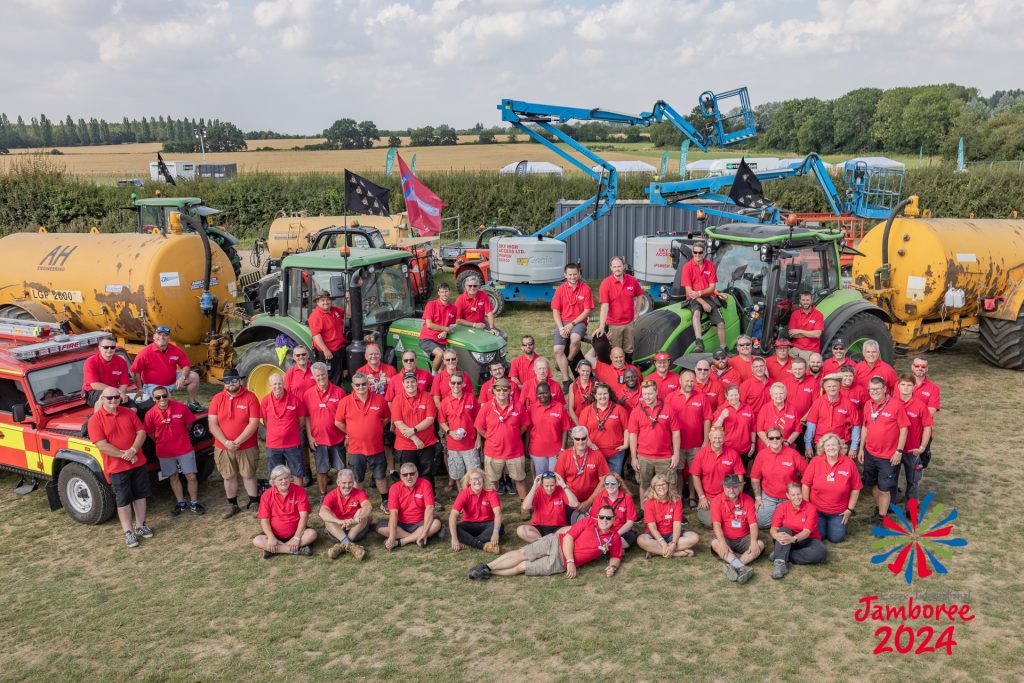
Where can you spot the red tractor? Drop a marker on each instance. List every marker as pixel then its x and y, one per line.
pixel 477 260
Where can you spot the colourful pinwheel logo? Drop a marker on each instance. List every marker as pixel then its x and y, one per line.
pixel 917 542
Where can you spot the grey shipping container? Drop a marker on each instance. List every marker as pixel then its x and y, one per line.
pixel 218 171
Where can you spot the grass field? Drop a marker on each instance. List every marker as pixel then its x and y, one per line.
pixel 197 602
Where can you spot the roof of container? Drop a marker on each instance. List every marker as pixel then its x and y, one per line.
pixel 331 259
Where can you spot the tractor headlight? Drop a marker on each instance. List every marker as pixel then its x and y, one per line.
pixel 483 358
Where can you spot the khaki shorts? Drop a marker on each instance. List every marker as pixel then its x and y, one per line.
pixel 686 456
pixel 621 335
pixel 494 468
pixel 652 466
pixel 243 462
pixel 544 557
pixel 801 353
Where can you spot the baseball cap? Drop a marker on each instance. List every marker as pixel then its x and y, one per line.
pixel 732 480
pixel 837 376
pixel 719 354
pixel 661 355
pixel 231 374
pixel 409 374
pixel 163 328
pixel 838 343
pixel 783 341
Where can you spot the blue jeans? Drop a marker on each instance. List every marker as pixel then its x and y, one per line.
pixel 293 457
pixel 764 515
pixel 831 527
pixel 615 462
pixel 543 463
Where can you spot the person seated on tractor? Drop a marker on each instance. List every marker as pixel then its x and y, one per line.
pixel 327 325
pixel 283 515
pixel 700 278
pixel 473 308
pixel 438 318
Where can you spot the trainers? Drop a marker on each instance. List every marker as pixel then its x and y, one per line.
pixel 254 503
pixel 698 347
pixel 130 539
pixel 144 531
pixel 443 532
pixel 384 506
pixel 743 575
pixel 500 488
pixel 267 554
pixel 779 569
pixel 875 519
pixel 305 550
pixel 197 508
pixel 492 548
pixel 178 509
pixel 480 572
pixel 730 572
pixel 336 550
pixel 231 511
pixel 195 406
pixel 357 551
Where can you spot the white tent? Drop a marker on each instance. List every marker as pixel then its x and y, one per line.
pixel 790 161
pixel 875 162
pixel 634 166
pixel 699 166
pixel 729 166
pixel 530 167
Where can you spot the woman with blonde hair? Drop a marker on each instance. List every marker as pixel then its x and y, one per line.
pixel 832 484
pixel 480 509
pixel 663 513
pixel 615 495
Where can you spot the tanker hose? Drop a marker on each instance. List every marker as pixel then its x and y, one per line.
pixel 207 269
pixel 888 226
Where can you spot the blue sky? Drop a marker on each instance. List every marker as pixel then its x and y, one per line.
pixel 297 65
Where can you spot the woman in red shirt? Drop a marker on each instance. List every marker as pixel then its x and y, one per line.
pixel 615 495
pixel 480 509
pixel 606 423
pixel 832 484
pixel 581 393
pixel 738 421
pixel 795 530
pixel 551 500
pixel 663 513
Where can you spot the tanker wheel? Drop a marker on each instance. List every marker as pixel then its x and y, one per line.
pixel 258 363
pixel 1002 342
pixel 229 251
pixel 859 329
pixel 460 279
pixel 646 304
pixel 497 303
pixel 85 498
pixel 15 313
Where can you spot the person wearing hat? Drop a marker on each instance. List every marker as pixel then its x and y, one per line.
pixel 806 325
pixel 734 524
pixel 581 391
pixel 722 371
pixel 439 318
pixel 570 306
pixel 795 531
pixel 838 359
pixel 162 364
pixel 778 365
pixel 327 325
pixel 498 371
pixel 500 425
pixel 667 381
pixel 700 278
pixel 234 420
pixel 831 413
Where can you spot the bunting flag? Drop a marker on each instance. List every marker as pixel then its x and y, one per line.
pixel 746 189
pixel 389 162
pixel 413 164
pixel 362 196
pixel 684 151
pixel 161 167
pixel 423 206
pixel 664 166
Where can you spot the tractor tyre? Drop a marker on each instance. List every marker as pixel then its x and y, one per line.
pixel 460 279
pixel 258 363
pixel 646 304
pixel 497 303
pixel 1002 342
pixel 860 328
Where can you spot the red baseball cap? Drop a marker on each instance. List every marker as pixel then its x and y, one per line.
pixel 661 355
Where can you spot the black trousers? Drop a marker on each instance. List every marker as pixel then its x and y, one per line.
pixel 423 458
pixel 475 534
pixel 807 551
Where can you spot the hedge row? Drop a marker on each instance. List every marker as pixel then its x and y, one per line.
pixel 36 193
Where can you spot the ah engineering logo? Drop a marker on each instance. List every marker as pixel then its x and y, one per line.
pixel 917 542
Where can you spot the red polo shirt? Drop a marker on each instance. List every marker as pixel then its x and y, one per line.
pixel 929 392
pixel 837 418
pixel 521 368
pixel 364 423
pixel 663 513
pixel 830 366
pixel 169 429
pixel 459 413
pixel 530 392
pixel 629 399
pixel 119 430
pixel 411 503
pixel 744 367
pixel 653 427
pixel 884 428
pixel 862 374
pixel 625 509
pixel 698 277
pixel 330 325
pixel 691 412
pixel 439 314
pixel 811 321
pixel 424 382
pixel 779 372
pixel 712 467
pixel 606 428
pixel 233 414
pixel 668 383
pixel 441 386
pixel 581 475
pixel 547 425
pixel 612 376
pixel 713 389
pixel 474 309
pixel 502 428
pixel 776 470
pixel 345 508
pixel 785 419
pixel 831 485
pixel 322 407
pixel 113 373
pixel 413 410
pixel 736 518
pixel 477 507
pixel 381 378
pixel 549 510
pixel 297 381
pixel 159 367
pixel 589 541
pixel 486 395
pixel 755 393
pixel 619 297
pixel 726 378
pixel 739 424
pixel 920 417
pixel 806 517
pixel 283 511
pixel 570 302
pixel 282 417
pixel 800 394
pixel 581 396
pixel 856 394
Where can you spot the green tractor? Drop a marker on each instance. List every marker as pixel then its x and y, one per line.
pixel 377 284
pixel 153 213
pixel 761 270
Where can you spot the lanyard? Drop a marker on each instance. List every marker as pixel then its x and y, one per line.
pixel 603 547
pixel 602 420
pixel 588 394
pixel 657 411
pixel 579 463
pixel 876 413
pixel 502 415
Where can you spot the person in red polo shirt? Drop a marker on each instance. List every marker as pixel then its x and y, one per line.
pixel 473 308
pixel 814 364
pixel 832 414
pixel 581 392
pixel 541 375
pixel 413 414
pixel 456 416
pixel 919 434
pixel 832 484
pixel 364 417
pixel 581 467
pixel 667 381
pixel 584 542
pixel 380 374
pixel 411 508
pixel 615 495
pixel 438 319
pixel 607 422
pixel 778 413
pixel 806 325
pixel 778 365
pixel 801 388
pixel 521 368
pixel 500 425
pixel 737 420
pixel 550 501
pixel 234 420
pixel 629 395
pixel 498 371
pixel 570 306
pixel 884 436
pixel 774 467
pixel 653 438
pixel 284 416
pixel 874 366
pixel 478 506
pixel 424 380
pixel 700 278
pixel 168 423
pixel 320 403
pixel 440 387
pixel 105 369
pixel 614 373
pixel 299 377
pixel 755 389
pixel 119 436
pixel 722 371
pixel 663 514
pixel 618 294
pixel 283 514
pixel 707 384
pixel 164 364
pixel 713 462
pixel 929 392
pixel 327 325
pixel 694 411
pixel 743 361
pixel 549 424
pixel 795 531
pixel 734 524
pixel 346 513
pixel 838 358
pixel 850 390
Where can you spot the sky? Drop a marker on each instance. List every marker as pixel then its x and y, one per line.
pixel 295 66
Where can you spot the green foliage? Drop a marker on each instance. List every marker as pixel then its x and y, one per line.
pixel 394 141
pixel 429 136
pixel 851 119
pixel 347 134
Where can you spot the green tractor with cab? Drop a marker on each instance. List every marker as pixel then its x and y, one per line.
pixel 376 284
pixel 761 270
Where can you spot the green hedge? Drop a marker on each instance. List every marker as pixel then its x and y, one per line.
pixel 37 193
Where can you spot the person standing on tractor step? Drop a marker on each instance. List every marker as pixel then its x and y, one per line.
pixel 700 278
pixel 806 325
pixel 119 436
pixel 473 308
pixel 570 306
pixel 234 421
pixel 327 325
pixel 284 416
pixel 618 294
pixel 105 369
pixel 438 318
pixel 164 364
pixel 321 403
pixel 168 423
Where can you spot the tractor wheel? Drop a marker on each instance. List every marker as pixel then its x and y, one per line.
pixel 460 279
pixel 646 304
pixel 258 363
pixel 229 251
pixel 497 303
pixel 1002 342
pixel 84 496
pixel 859 329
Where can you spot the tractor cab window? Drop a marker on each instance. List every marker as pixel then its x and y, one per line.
pixel 299 296
pixel 58 383
pixel 353 241
pixel 817 272
pixel 153 216
pixel 741 273
pixel 386 294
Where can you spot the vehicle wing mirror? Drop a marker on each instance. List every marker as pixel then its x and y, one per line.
pixel 18 412
pixel 337 284
pixel 794 275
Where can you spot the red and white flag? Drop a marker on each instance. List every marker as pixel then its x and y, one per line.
pixel 423 205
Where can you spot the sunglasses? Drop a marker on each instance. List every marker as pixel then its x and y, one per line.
pixel 743 344
pixel 357 386
pixel 611 483
pixel 301 355
pixel 456 384
pixel 606 518
pixel 775 438
pixel 472 286
pixel 108 347
pixel 409 474
pixel 923 366
pixel 163 330
pixel 500 390
pixel 408 360
pixel 698 251
pixel 161 397
pixel 527 343
pixel 111 398
pixel 450 360
pixel 579 438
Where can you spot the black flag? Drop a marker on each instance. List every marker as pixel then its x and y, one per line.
pixel 162 168
pixel 362 196
pixel 746 189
